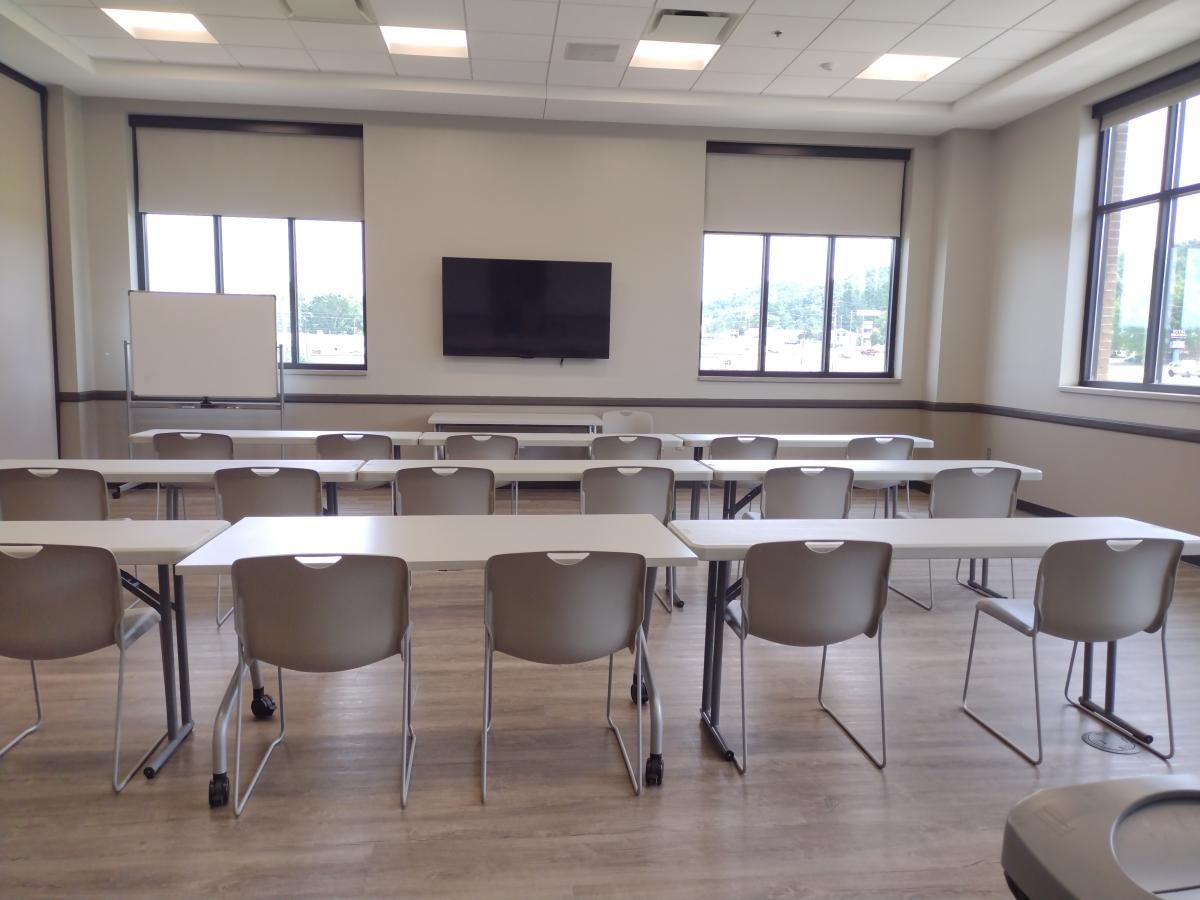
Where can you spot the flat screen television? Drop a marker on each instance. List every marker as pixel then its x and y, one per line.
pixel 525 308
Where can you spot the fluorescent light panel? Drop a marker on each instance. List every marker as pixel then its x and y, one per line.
pixel 161 26
pixel 450 42
pixel 672 55
pixel 903 67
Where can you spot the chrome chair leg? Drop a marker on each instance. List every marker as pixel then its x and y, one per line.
pixel 487 715
pixel 744 763
pixel 118 783
pixel 879 761
pixel 37 700
pixel 409 736
pixel 1037 703
pixel 667 599
pixel 635 772
pixel 221 618
pixel 239 802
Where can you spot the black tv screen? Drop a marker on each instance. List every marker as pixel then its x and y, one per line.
pixel 525 308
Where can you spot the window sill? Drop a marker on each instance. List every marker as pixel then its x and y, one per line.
pixel 293 373
pixel 1137 395
pixel 802 379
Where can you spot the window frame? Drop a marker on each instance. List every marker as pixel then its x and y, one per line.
pixel 889 371
pixel 1167 197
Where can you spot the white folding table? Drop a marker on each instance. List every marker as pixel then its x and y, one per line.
pixel 441 542
pixel 160 543
pixel 493 417
pixel 570 439
pixel 722 541
pixel 700 442
pixel 282 437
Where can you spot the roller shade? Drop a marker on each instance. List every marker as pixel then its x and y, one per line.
pixel 803 195
pixel 241 173
pixel 1150 104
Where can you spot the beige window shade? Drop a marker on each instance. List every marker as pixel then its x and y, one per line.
pixel 803 195
pixel 1158 101
pixel 249 174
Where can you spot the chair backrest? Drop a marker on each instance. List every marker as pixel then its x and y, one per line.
pixel 481 446
pixel 968 493
pixel 445 491
pixel 743 447
pixel 628 489
pixel 57 601
pixel 354 446
pixel 321 614
pixel 193 445
pixel 626 421
pixel 810 594
pixel 807 492
pixel 566 607
pixel 626 446
pixel 53 495
pixel 1104 590
pixel 252 491
pixel 880 448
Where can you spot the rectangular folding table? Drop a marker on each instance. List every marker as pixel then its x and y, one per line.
pixel 493 417
pixel 283 437
pixel 568 439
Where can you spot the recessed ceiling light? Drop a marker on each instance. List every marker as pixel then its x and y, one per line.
pixel 903 67
pixel 425 41
pixel 161 26
pixel 672 55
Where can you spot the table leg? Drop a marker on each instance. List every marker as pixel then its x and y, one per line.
pixel 729 500
pixel 710 602
pixel 654 763
pixel 177 732
pixel 331 498
pixel 710 717
pixel 185 677
pixel 981 586
pixel 697 454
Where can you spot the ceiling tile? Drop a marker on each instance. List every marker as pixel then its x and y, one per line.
pixel 862 37
pixel 732 82
pixel 520 47
pixel 430 66
pixel 419 13
pixel 586 74
pixel 893 10
pixel 511 71
pixel 940 92
pixel 189 54
pixel 624 51
pixel 799 86
pixel 645 4
pixel 720 6
pixel 256 9
pixel 115 48
pixel 516 16
pixel 1018 44
pixel 752 60
pixel 591 20
pixel 55 3
pixel 818 9
pixel 975 71
pixel 874 89
pixel 659 79
pixel 330 36
pixel 843 65
pixel 353 61
pixel 945 40
pixel 272 58
pixel 77 21
pixel 987 13
pixel 1073 15
pixel 244 32
pixel 760 31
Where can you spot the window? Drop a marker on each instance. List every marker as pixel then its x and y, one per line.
pixel 313 268
pixel 775 304
pixel 1143 323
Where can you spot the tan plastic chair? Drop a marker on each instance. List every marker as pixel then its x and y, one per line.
pixel 321 614
pixel 807 492
pixel 626 421
pixel 1095 592
pixel 356 445
pixel 809 594
pixel 187 445
pixel 564 608
pixel 445 491
pixel 743 447
pixel 485 446
pixel 53 495
pixel 882 447
pixel 626 446
pixel 58 602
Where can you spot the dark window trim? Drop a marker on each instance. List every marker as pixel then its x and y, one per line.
pixel 826 151
pixel 1150 89
pixel 247 126
pixel 761 372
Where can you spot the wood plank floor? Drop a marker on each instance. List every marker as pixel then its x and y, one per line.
pixel 812 818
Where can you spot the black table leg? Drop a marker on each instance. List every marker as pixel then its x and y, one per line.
pixel 1107 712
pixel 331 499
pixel 710 715
pixel 697 454
pixel 177 731
pixel 185 678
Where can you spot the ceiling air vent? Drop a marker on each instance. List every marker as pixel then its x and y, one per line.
pixel 348 11
pixel 690 26
pixel 580 51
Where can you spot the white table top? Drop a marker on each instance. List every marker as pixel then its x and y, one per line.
pixel 546 438
pixel 492 417
pixel 439 542
pixel 686 470
pixel 183 471
pixel 864 469
pixel 131 541
pixel 274 435
pixel 803 441
pixel 729 539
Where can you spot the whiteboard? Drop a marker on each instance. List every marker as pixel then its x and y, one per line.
pixel 203 345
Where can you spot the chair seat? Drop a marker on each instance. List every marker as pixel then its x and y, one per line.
pixel 1015 613
pixel 137 622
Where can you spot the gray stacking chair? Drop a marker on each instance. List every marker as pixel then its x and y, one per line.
pixel 53 495
pixel 742 446
pixel 186 445
pixel 1092 591
pixel 560 609
pixel 445 491
pixel 810 594
pixel 882 448
pixel 58 602
pixel 356 445
pixel 321 614
pixel 807 492
pixel 485 446
pixel 626 421
pixel 626 446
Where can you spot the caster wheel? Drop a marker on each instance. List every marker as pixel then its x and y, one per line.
pixel 633 693
pixel 654 769
pixel 263 704
pixel 678 603
pixel 218 791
